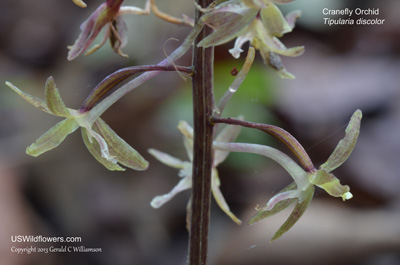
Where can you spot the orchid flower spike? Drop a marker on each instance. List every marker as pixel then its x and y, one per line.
pixel 228 134
pixel 301 190
pixel 108 16
pixel 258 21
pixel 102 142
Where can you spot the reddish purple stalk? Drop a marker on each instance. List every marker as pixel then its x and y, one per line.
pixel 280 134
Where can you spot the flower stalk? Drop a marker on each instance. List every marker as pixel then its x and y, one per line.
pixel 281 135
pixel 102 106
pixel 203 103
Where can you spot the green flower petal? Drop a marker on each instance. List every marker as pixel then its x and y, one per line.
pixel 280 206
pixel 346 145
pixel 94 148
pixel 188 144
pixel 118 148
pixel 187 132
pixel 167 159
pixel 185 129
pixel 278 47
pixel 330 184
pixel 53 99
pixel 298 211
pixel 219 198
pixel 274 21
pixel 53 137
pixel 231 27
pixel 183 184
pixel 35 101
pixel 291 18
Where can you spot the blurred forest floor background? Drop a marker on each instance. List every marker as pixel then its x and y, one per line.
pixel 65 192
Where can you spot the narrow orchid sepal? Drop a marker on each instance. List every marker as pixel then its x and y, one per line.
pixel 296 214
pixel 119 149
pixel 53 137
pixel 53 99
pixel 278 207
pixel 219 198
pixel 273 19
pixel 183 184
pixel 95 149
pixel 234 23
pixel 167 159
pixel 35 101
pixel 185 129
pixel 187 132
pixel 292 17
pixel 281 196
pixel 346 145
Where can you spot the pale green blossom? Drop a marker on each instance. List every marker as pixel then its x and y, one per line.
pixel 102 142
pixel 301 190
pixel 258 21
pixel 228 134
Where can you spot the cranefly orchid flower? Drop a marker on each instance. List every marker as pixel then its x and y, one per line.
pixel 227 134
pixel 301 190
pixel 258 21
pixel 102 142
pixel 107 16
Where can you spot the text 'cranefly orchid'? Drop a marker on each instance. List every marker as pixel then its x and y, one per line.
pixel 301 190
pixel 102 142
pixel 258 21
pixel 227 134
